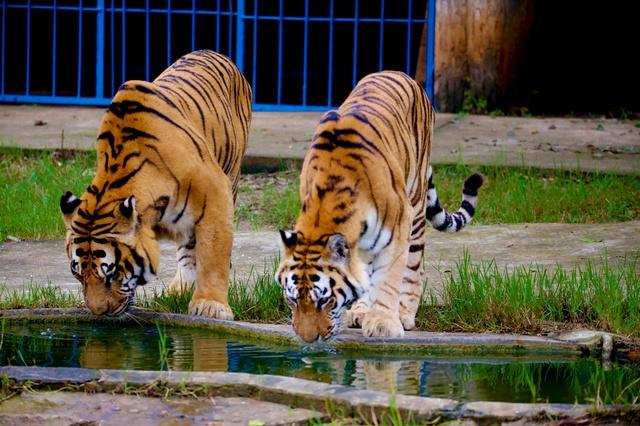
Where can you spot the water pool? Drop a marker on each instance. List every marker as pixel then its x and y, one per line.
pixel 525 378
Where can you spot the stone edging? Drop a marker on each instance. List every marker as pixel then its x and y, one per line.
pixel 294 392
pixel 575 342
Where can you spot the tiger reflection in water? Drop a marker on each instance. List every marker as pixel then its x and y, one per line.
pixel 194 352
pixel 199 352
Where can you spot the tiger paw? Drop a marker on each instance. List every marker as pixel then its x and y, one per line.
pixel 210 308
pixel 408 320
pixel 356 314
pixel 379 324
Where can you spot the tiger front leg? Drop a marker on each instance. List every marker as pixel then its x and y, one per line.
pixel 413 279
pixel 213 242
pixel 356 314
pixel 383 318
pixel 186 270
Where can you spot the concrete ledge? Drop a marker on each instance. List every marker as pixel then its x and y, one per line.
pixel 572 343
pixel 293 392
pixel 296 393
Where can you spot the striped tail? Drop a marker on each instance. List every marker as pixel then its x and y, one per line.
pixel 453 222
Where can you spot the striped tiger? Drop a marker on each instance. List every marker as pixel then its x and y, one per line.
pixel 168 167
pixel 367 193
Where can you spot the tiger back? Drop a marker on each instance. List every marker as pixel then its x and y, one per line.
pixel 168 163
pixel 367 195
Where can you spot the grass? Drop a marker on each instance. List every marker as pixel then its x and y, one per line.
pixel 587 379
pixel 477 297
pixel 36 295
pixel 482 297
pixel 272 205
pixel 32 182
pixel 255 298
pixel 509 195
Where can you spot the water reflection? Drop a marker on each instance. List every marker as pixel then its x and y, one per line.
pixel 137 347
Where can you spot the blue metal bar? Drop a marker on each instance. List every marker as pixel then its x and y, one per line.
pixel 193 25
pixel 79 88
pixel 355 45
pixel 100 50
pixel 239 54
pixel 28 70
pixel 254 52
pixel 305 53
pixel 230 47
pixel 289 107
pixel 4 36
pixel 218 26
pixel 50 7
pixel 55 100
pixel 408 64
pixel 430 53
pixel 113 48
pixel 54 48
pixel 123 42
pixel 280 30
pixel 227 13
pixel 168 32
pixel 330 82
pixel 381 39
pixel 147 41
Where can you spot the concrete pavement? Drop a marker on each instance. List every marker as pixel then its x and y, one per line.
pixel 590 144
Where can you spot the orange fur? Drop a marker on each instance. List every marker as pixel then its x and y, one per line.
pixel 365 188
pixel 168 166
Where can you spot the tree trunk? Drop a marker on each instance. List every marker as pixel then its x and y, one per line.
pixel 479 47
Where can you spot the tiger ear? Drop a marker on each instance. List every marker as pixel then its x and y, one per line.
pixel 339 248
pixel 127 210
pixel 289 239
pixel 68 205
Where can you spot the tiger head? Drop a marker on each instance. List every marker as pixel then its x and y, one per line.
pixel 110 251
pixel 319 280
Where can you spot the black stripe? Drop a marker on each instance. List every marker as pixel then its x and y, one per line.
pixel 133 133
pixel 120 109
pixel 468 207
pixel 350 285
pixel 129 157
pixel 186 199
pixel 343 219
pixel 470 192
pixel 124 179
pixel 444 225
pixel 204 208
pixel 432 211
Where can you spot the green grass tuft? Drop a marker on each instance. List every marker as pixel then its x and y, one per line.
pixel 259 297
pixel 481 297
pixel 478 297
pixel 35 295
pixel 255 298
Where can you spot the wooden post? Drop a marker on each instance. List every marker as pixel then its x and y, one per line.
pixel 479 47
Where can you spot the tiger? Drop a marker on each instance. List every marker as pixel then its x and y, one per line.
pixel 367 193
pixel 168 164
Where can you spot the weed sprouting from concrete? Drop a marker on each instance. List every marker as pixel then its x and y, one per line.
pixel 162 347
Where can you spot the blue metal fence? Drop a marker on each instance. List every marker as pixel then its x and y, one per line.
pixel 298 55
